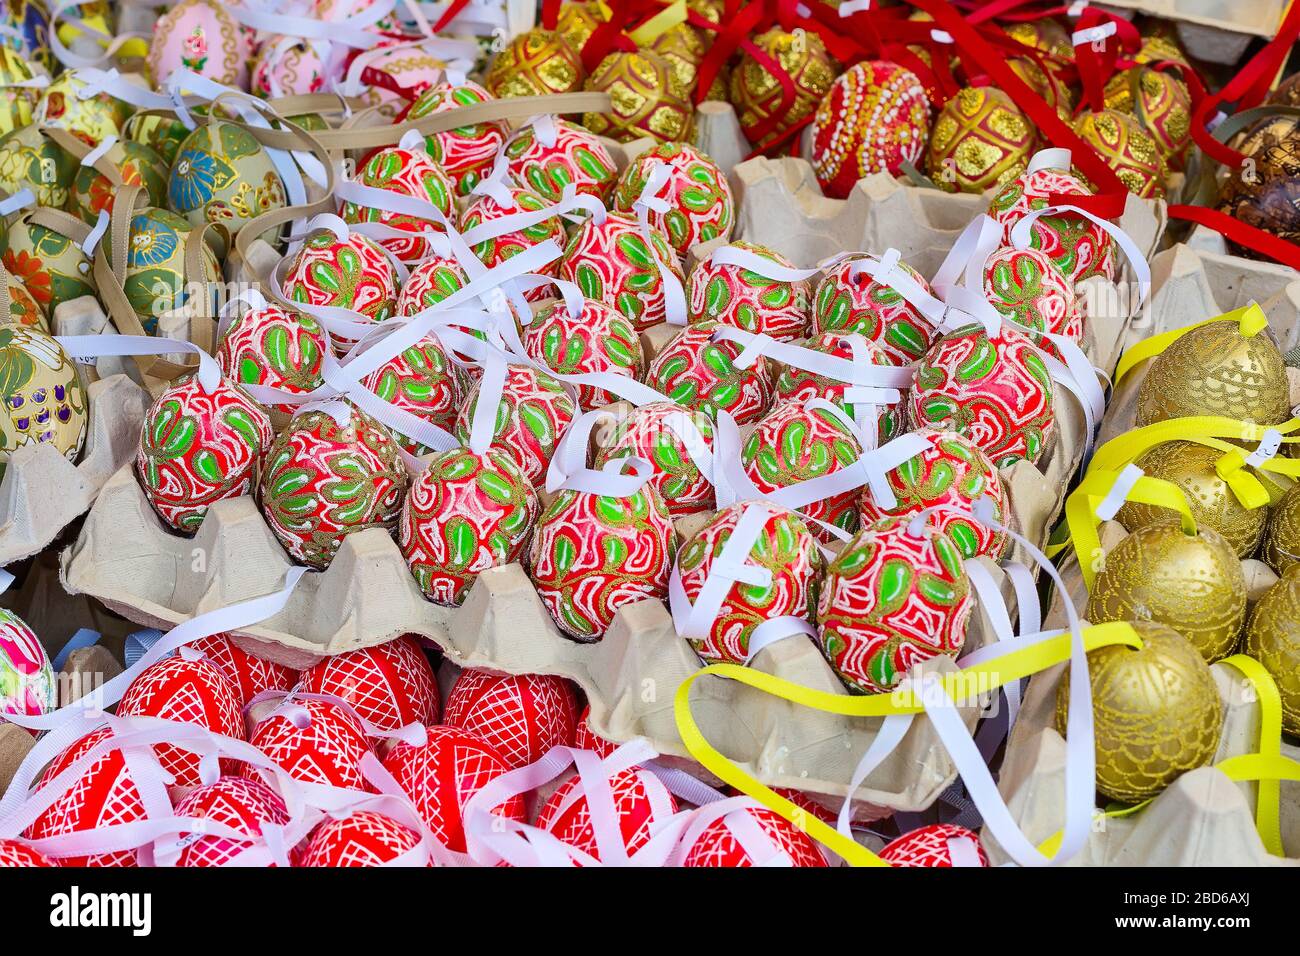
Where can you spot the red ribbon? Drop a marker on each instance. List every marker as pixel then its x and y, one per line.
pixel 1097 66
pixel 450 14
pixel 1254 239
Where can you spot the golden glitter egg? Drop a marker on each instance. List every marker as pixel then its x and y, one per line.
pixel 1156 713
pixel 1046 36
pixel 1191 466
pixel 1190 582
pixel 1130 152
pixel 980 140
pixel 647 99
pixel 1162 106
pixel 684 49
pixel 710 10
pixel 577 22
pixel 1215 370
pixel 1161 44
pixel 1057 95
pixel 1282 536
pixel 1273 639
pixel 534 64
pixel 756 93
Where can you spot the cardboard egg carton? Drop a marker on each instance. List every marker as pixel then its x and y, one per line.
pixel 1213 30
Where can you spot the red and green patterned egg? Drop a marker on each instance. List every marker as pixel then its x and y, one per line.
pixel 794 443
pixel 1027 288
pixel 432 279
pixel 1079 247
pixel 27 684
pixel 858 303
pixel 700 204
pixel 892 600
pixel 323 481
pixel 464 514
pixel 784 547
pixel 749 300
pixel 197 449
pixel 403 172
pixel 612 261
pixel 465 153
pixel 92 191
pixel 592 554
pixel 799 385
pixel 532 415
pixel 576 157
pixel 48 264
pixel 952 472
pixel 275 347
pixel 352 273
pixel 994 389
pixel 494 251
pixel 649 432
pixel 598 340
pixel 421 380
pixel 701 374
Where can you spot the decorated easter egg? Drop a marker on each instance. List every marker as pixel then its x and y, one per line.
pixel 190 692
pixel 759 94
pixel 598 339
pixel 521 716
pixel 933 845
pixel 315 741
pixel 404 172
pixel 91 118
pixel 795 442
pixel 764 839
pixel 1026 286
pixel 423 381
pixel 585 739
pixel 875 117
pixel 849 300
pixel 784 547
pixel 1261 192
pixel 701 374
pixel 24 309
pixel 647 99
pixel 1162 105
pixel 362 838
pixel 235 802
pixel 1079 247
pixel 289 66
pixel 980 139
pixel 1273 638
pixel 202 37
pixel 890 600
pixel 279 348
pixel 29 160
pixel 389 685
pixel 16 854
pixel 92 191
pixel 248 674
pixel 951 473
pixel 665 433
pixel 465 154
pixel 463 514
pixel 684 47
pixel 396 73
pixel 494 250
pixel 26 678
pixel 161 133
pixel 623 265
pixel 749 299
pixel 799 384
pixel 591 554
pixel 43 398
pixel 29 34
pixel 641 803
pixel 223 174
pixel 197 448
pixel 1127 149
pixel 994 389
pixel 1282 535
pixel 322 481
pixel 351 273
pixel 1156 712
pixel 16 100
pixel 533 413
pixel 432 279
pixel 700 204
pixel 156 280
pixel 50 267
pixel 553 154
pixel 578 20
pixel 104 795
pixel 441 775
pixel 536 63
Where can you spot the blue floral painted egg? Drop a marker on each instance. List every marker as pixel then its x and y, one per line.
pixel 42 394
pixel 28 32
pixel 223 174
pixel 26 677
pixel 155 266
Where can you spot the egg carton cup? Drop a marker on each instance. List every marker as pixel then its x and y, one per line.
pixel 1206 26
pixel 1202 819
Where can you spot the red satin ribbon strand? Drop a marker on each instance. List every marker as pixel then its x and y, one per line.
pixel 735 29
pixel 450 14
pixel 1258 240
pixel 550 13
pixel 778 73
pixel 1096 67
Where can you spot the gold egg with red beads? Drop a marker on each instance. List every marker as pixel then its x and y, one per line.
pixel 1126 148
pixel 979 140
pixel 536 63
pixel 1162 105
pixel 647 99
pixel 757 93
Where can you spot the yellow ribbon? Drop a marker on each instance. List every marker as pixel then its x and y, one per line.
pixel 964 686
pixel 663 21
pixel 1250 318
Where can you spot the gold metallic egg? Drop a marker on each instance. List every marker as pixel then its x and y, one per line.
pixel 1162 105
pixel 1057 95
pixel 1190 466
pixel 979 140
pixel 647 99
pixel 1127 149
pixel 1282 536
pixel 534 64
pixel 577 22
pixel 756 93
pixel 1191 583
pixel 684 49
pixel 1215 370
pixel 1046 36
pixel 1273 639
pixel 1156 713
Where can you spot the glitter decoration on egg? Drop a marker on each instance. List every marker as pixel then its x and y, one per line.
pixel 352 272
pixel 979 140
pixel 1162 105
pixel 497 249
pixel 700 373
pixel 44 402
pixel 1282 535
pixel 655 432
pixel 274 347
pixel 421 380
pixel 700 203
pixel 1027 288
pixel 647 99
pixel 1127 149
pixel 465 154
pixel 622 265
pixel 536 63
pixel 758 95
pixel 598 339
pixel 848 300
pixel 406 173
pixel 749 300
pixel 683 48
pixel 574 156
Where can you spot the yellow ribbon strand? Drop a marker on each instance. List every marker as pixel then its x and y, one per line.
pixel 1267 803
pixel 1250 318
pixel 659 24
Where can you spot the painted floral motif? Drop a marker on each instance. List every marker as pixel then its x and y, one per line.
pixel 353 273
pixel 26 677
pixel 1079 247
pixel 29 160
pixel 1026 286
pixel 465 153
pixel 854 302
pixel 749 300
pixel 496 250
pixel 613 262
pixel 223 174
pixel 195 49
pixel 406 173
pixel 274 347
pixel 421 380
pixel 799 385
pixel 700 204
pixel 155 265
pixel 50 266
pixel 576 157
pixel 697 372
pixel 533 413
pixel 654 432
pixel 42 394
pixel 598 340
pixel 92 192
